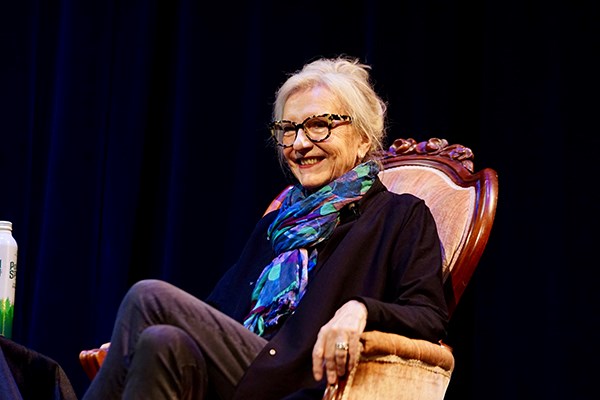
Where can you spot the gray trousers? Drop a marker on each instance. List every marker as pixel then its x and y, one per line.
pixel 167 344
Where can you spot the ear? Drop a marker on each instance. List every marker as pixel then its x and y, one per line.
pixel 363 147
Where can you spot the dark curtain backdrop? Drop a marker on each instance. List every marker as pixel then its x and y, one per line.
pixel 133 144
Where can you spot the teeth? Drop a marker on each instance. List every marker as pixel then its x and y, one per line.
pixel 308 161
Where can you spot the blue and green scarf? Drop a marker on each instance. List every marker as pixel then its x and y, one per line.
pixel 304 221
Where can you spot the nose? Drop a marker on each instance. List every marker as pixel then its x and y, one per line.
pixel 301 140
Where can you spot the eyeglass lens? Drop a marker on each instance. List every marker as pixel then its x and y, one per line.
pixel 316 128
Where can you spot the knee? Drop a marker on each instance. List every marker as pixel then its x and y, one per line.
pixel 146 286
pixel 161 336
pixel 142 290
pixel 167 356
pixel 170 342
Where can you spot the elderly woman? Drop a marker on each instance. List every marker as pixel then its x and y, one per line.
pixel 341 255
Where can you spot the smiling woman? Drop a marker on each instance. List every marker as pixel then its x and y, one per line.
pixel 317 162
pixel 342 254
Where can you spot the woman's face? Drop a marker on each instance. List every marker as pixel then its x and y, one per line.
pixel 317 164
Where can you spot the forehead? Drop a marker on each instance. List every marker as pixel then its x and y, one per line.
pixel 311 101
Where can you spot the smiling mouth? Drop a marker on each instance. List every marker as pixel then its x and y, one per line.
pixel 308 161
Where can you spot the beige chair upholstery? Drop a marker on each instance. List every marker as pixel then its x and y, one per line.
pixel 463 203
pixel 396 367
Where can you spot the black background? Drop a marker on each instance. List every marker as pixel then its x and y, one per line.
pixel 133 144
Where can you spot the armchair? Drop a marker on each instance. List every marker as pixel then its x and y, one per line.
pixel 463 204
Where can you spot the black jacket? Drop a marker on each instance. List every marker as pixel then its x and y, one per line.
pixel 385 252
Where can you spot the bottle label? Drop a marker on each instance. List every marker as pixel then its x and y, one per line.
pixel 7 296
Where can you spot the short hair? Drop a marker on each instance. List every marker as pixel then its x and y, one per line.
pixel 348 79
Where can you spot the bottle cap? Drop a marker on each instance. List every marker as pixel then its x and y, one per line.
pixel 6 225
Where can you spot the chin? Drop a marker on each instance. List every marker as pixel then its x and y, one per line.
pixel 311 185
pixel 313 181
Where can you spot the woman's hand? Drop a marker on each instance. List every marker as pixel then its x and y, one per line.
pixel 338 348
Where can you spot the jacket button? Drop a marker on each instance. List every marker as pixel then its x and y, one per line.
pixel 272 352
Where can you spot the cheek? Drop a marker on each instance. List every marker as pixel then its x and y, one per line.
pixel 344 162
pixel 286 154
pixel 286 157
pixel 347 154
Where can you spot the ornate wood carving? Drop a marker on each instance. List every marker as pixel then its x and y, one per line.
pixel 433 146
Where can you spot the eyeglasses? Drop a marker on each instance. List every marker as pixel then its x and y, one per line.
pixel 316 128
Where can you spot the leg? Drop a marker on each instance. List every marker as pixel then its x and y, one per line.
pixel 167 365
pixel 228 348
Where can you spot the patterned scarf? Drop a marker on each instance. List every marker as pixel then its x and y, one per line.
pixel 303 222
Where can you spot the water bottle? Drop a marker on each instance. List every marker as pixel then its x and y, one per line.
pixel 8 275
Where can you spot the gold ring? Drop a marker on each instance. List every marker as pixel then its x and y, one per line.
pixel 342 346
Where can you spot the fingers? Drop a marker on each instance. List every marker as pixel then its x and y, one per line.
pixel 318 357
pixel 341 358
pixel 335 359
pixel 354 354
pixel 337 348
pixel 335 355
pixel 331 367
pixel 330 358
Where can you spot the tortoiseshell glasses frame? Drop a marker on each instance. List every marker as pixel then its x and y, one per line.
pixel 317 128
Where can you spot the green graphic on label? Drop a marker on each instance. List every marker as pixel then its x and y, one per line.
pixel 7 309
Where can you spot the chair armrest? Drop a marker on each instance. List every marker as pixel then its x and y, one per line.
pixel 376 343
pixel 91 360
pixel 389 361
